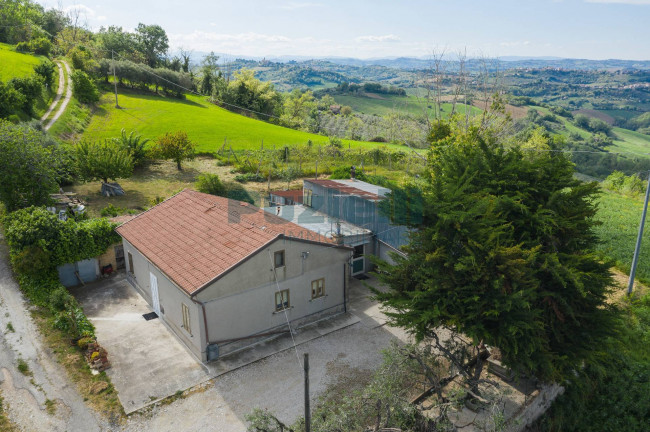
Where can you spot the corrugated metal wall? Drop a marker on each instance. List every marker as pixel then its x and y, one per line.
pixel 358 211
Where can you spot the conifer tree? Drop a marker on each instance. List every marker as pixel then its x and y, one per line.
pixel 505 255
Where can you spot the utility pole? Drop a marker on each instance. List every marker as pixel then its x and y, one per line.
pixel 307 410
pixel 635 260
pixel 114 80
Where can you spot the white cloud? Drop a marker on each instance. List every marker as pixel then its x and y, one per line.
pixel 629 2
pixel 383 38
pixel 241 42
pixel 82 10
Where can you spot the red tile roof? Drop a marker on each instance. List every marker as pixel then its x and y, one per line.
pixel 330 184
pixel 194 237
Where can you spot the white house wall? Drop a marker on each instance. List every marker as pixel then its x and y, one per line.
pixel 242 302
pixel 171 297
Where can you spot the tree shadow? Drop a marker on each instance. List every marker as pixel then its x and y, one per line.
pixel 158 97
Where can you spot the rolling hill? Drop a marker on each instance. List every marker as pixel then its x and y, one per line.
pixel 206 124
pixel 15 64
pixel 383 104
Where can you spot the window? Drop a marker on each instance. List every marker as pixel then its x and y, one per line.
pixel 282 300
pixel 307 197
pixel 186 318
pixel 278 260
pixel 317 288
pixel 131 263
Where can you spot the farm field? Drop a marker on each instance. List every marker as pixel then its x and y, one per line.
pixel 206 124
pixel 625 140
pixel 630 141
pixel 620 216
pixel 382 104
pixel 15 64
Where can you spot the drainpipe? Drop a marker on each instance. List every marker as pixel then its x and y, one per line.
pixel 345 291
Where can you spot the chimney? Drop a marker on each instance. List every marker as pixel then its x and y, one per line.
pixel 353 173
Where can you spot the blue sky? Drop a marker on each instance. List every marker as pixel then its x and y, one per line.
pixel 595 29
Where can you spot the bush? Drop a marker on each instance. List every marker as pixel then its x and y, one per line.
pixel 22 47
pixel 84 89
pixel 249 177
pixel 30 87
pixel 46 70
pixel 111 210
pixel 41 46
pixel 210 184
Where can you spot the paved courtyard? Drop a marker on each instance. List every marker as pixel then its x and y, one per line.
pixel 149 363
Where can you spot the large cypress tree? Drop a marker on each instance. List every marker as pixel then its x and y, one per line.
pixel 504 254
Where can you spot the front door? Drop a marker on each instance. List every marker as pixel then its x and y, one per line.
pixel 155 302
pixel 358 261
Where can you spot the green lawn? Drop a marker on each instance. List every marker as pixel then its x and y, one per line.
pixel 386 104
pixel 15 64
pixel 631 141
pixel 620 217
pixel 206 124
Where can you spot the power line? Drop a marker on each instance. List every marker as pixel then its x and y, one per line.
pixel 284 309
pixel 194 92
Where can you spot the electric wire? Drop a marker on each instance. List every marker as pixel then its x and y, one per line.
pixel 284 309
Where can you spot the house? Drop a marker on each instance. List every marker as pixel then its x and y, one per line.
pixel 285 197
pixel 339 231
pixel 223 274
pixel 358 203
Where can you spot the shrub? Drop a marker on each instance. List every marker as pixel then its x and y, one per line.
pixel 84 342
pixel 84 89
pixel 41 46
pixel 210 184
pixel 30 87
pixel 249 177
pixel 111 210
pixel 23 367
pixel 46 70
pixel 22 47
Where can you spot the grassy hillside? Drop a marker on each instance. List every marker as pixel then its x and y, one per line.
pixel 382 104
pixel 625 140
pixel 620 217
pixel 15 64
pixel 205 124
pixel 631 141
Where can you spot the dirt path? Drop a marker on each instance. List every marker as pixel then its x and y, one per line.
pixel 68 94
pixel 59 93
pixel 26 396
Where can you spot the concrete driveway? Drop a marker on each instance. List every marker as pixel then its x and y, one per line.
pixel 148 361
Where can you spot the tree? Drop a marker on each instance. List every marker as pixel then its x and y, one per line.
pixel 504 254
pixel 153 42
pixel 175 146
pixel 248 92
pixel 135 145
pixel 103 161
pixel 209 70
pixel 84 89
pixel 298 107
pixel 114 39
pixel 27 176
